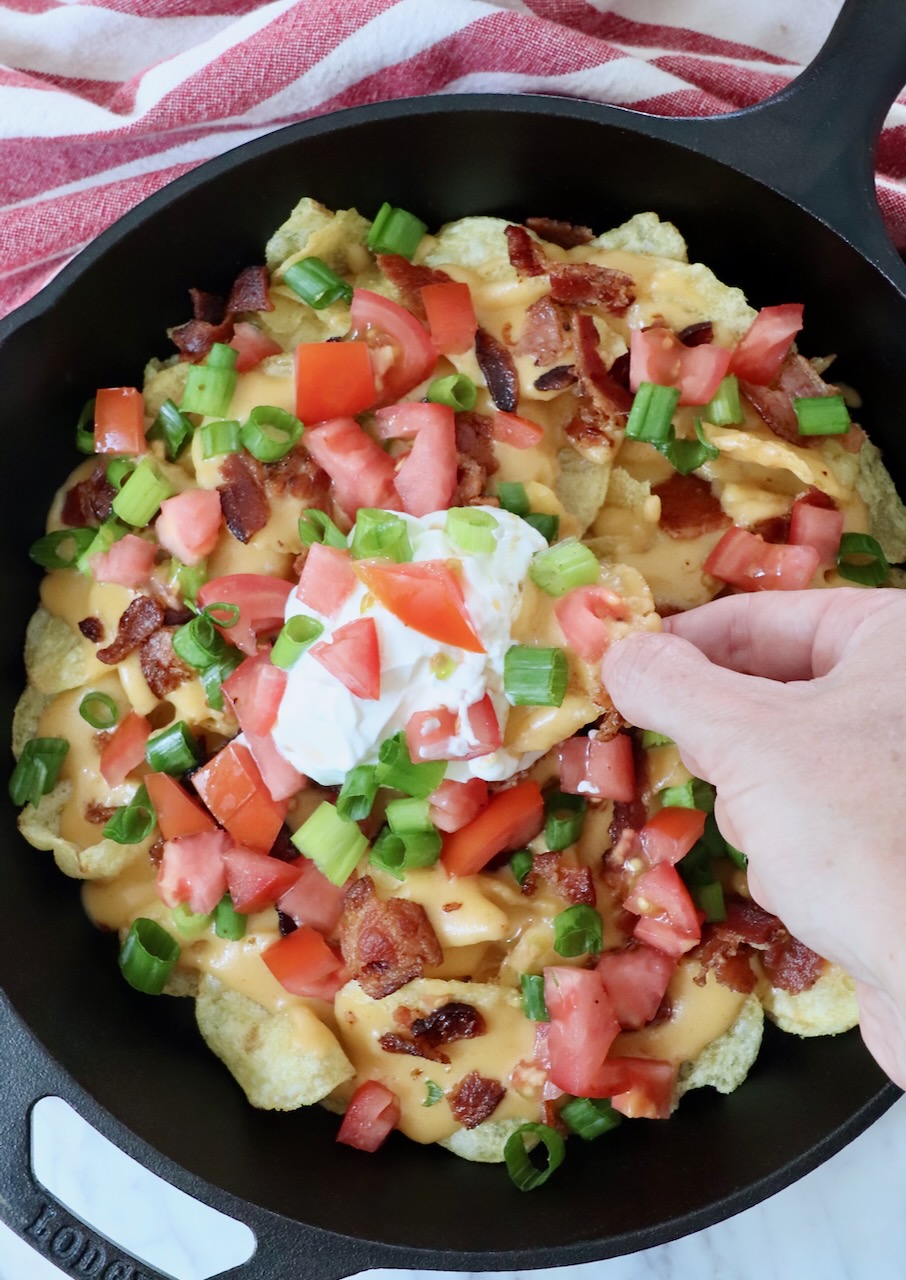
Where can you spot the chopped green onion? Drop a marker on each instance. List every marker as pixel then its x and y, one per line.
pixel 334 844
pixel 99 710
pixel 148 956
pixel 569 564
pixel 860 559
pixel 710 899
pixel 229 923
pixel 357 793
pixel 533 1004
pixel 578 931
pixel 133 822
pixel 693 794
pixel 564 817
pixel 189 924
pixel 62 548
pixel 110 531
pixel 590 1117
pixel 174 750
pixel 409 814
pixel 548 526
pixel 269 433
pixel 535 677
pixel 380 533
pixel 297 635
pixel 471 529
pixel 210 386
pixel 395 231
pixel 222 356
pixel 188 579
pixel 512 497
pixel 172 428
pixel 456 390
pixel 316 284
pixel 119 470
pixel 422 847
pixel 212 677
pixel 396 769
pixel 140 497
pixel 217 438
pixel 821 415
pixel 223 613
pixel 686 456
pixel 199 643
pixel 315 526
pixel 520 1166
pixel 725 410
pixel 388 853
pixel 433 1094
pixel 84 432
pixel 520 865
pixel 37 769
pixel 652 739
pixel 652 413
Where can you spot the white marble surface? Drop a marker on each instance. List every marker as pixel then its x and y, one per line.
pixel 844 1221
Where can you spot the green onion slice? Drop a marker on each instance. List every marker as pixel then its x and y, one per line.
pixel 209 388
pixel 533 1002
pixel 395 231
pixel 709 898
pixel 535 677
pixel 433 1094
pixel 84 432
pixel 37 769
pixel 222 356
pixel 223 613
pixel 316 284
pixel 333 843
pixel 860 559
pixel 564 817
pixel 99 710
pixel 422 847
pixel 388 853
pixel 315 526
pixel 693 794
pixel 119 470
pixel 569 564
pixel 140 497
pixel 409 814
pixel 380 533
pixel 589 1118
pixel 821 415
pixel 189 924
pixel 652 413
pixel 172 428
pixel 217 438
pixel 228 922
pixel 188 579
pixel 471 529
pixel 547 525
pixel 396 769
pixel 652 739
pixel 199 643
pixel 520 865
pixel 269 433
pixel 521 1167
pixel 148 956
pixel 174 750
pixel 297 635
pixel 686 456
pixel 725 410
pixel 578 931
pixel 62 548
pixel 212 677
pixel 132 823
pixel 356 798
pixel 512 497
pixel 456 390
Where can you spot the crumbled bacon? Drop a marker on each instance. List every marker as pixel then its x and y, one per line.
pixel 565 234
pixel 543 334
pixel 608 403
pixel 792 966
pixel 689 507
pixel 773 528
pixel 163 670
pixel 283 848
pixel 196 337
pixel 697 335
pixel 408 278
pixel 627 816
pixel 385 944
pixel 499 370
pixel 210 308
pixel 474 1099
pixel 619 371
pixel 242 496
pixel 452 1021
pixel 475 459
pixel 574 883
pixel 774 404
pixel 90 502
pixel 298 475
pixel 98 814
pixel 140 621
pixel 585 284
pixel 556 379
pixel 728 948
pixel 393 1042
pixel 526 255
pixel 212 318
pixel 249 291
pixel 92 629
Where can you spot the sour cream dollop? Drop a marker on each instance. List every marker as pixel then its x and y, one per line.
pixel 324 730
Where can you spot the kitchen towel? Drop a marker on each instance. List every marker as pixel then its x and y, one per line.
pixel 104 101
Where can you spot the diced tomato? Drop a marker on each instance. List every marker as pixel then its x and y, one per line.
pixel 584 614
pixel 670 834
pixel 404 420
pixel 261 600
pixel 762 350
pixel 231 786
pixel 484 728
pixel 327 579
pixel 313 899
pixel 192 871
pixel 383 322
pixel 431 735
pixel 256 881
pixel 189 524
pixel 657 355
pixel 119 421
pixel 512 818
pixel 451 316
pixel 636 978
pixel 362 473
pixel 177 813
pixel 454 804
pixel 124 750
pixel 703 368
pixel 128 563
pixel 304 964
pixel 583 1026
pixel 255 690
pixel 745 560
pixel 252 344
pixel 353 656
pixel 333 380
pixel 594 767
pixel 371 1115
pixel 649 1088
pixel 426 478
pixel 818 527
pixel 281 779
pixel 511 429
pixel 426 596
pixel 667 915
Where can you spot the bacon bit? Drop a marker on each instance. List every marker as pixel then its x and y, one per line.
pixel 499 370
pixel 385 944
pixel 574 883
pixel 452 906
pixel 474 457
pixel 393 1042
pixel 163 670
pixel 689 507
pixel 792 966
pixel 774 404
pixel 627 816
pixel 196 337
pixel 619 370
pixel 773 528
pixel 89 502
pixel 452 1021
pixel 92 629
pixel 474 1099
pixel 283 848
pixel 242 496
pixel 250 291
pixel 407 277
pixel 543 334
pixel 298 475
pixel 697 335
pixel 608 402
pixel 586 284
pixel 728 949
pixel 564 375
pixel 565 234
pixel 98 814
pixel 210 308
pixel 139 622
pixel 526 256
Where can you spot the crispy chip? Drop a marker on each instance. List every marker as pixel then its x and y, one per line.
pixel 825 1009
pixel 726 1061
pixel 886 512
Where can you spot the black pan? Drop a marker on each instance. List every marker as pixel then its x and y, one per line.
pixel 777 199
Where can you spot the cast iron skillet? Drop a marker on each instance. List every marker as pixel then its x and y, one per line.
pixel 804 226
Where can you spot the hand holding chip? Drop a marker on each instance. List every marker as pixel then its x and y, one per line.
pixel 793 705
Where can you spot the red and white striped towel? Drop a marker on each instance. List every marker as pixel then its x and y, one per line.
pixel 104 101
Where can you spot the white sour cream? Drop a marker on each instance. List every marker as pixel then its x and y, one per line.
pixel 324 730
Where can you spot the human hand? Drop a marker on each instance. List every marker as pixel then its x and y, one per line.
pixel 793 705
